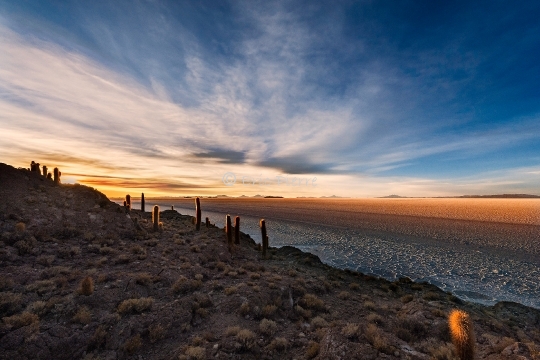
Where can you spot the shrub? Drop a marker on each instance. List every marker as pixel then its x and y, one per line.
pixel 232 330
pixel 20 227
pixel 344 295
pixel 83 316
pixel 354 286
pixel 246 338
pixel 133 344
pixel 311 301
pixel 244 308
pixel 406 298
pixel 195 353
pixel 267 327
pixel 183 285
pixel 156 332
pixel 370 305
pixel 312 350
pixel 20 320
pixel 230 290
pixel 135 305
pixel 269 310
pixel 279 344
pixel 350 330
pixel 319 322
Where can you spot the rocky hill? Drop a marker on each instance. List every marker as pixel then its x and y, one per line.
pixel 83 278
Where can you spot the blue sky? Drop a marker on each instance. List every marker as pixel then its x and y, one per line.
pixel 418 98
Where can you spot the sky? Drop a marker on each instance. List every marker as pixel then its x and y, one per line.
pixel 290 98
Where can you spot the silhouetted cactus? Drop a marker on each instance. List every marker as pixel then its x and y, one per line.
pixel 264 237
pixel 155 217
pixel 462 333
pixel 45 173
pixel 57 175
pixel 128 202
pixel 198 214
pixel 32 166
pixel 237 230
pixel 142 202
pixel 207 222
pixel 49 176
pixel 125 203
pixel 228 230
pixel 172 207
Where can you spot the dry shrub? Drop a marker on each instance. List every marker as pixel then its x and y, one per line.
pixel 45 260
pixel 442 352
pixel 183 285
pixel 244 308
pixel 306 314
pixel 318 322
pixel 39 308
pixel 195 353
pixel 55 271
pixel 354 286
pixel 312 350
pixel 83 316
pixel 344 295
pixel 406 298
pixel 254 276
pixel 246 338
pixel 377 338
pixel 311 301
pixel 122 259
pixel 86 287
pixel 199 277
pixel 20 227
pixel 221 265
pixel 135 305
pixel 374 318
pixel 279 344
pixel 269 310
pixel 41 286
pixel 197 340
pixel 133 344
pixel 9 303
pixel 144 279
pixel 20 320
pixel 350 330
pixel 195 249
pixel 232 330
pixel 369 305
pixel 98 339
pixel 292 273
pixel 156 332
pixel 267 327
pixel 230 290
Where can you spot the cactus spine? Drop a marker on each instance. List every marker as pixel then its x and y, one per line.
pixel 128 202
pixel 462 333
pixel 237 230
pixel 155 217
pixel 228 230
pixel 198 214
pixel 142 202
pixel 56 176
pixel 264 237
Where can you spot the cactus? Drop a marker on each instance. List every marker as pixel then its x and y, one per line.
pixel 264 237
pixel 462 333
pixel 228 230
pixel 207 222
pixel 237 230
pixel 38 169
pixel 32 166
pixel 198 212
pixel 57 174
pixel 172 207
pixel 142 202
pixel 49 176
pixel 125 203
pixel 128 202
pixel 45 174
pixel 155 217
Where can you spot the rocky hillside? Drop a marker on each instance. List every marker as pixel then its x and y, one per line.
pixel 82 278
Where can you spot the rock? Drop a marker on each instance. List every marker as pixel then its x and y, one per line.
pixel 517 348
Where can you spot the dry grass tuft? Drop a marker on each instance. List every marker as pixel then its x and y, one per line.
pixel 183 285
pixel 311 301
pixel 83 316
pixel 267 327
pixel 269 310
pixel 156 332
pixel 246 338
pixel 230 290
pixel 133 344
pixel 232 330
pixel 20 320
pixel 344 295
pixel 350 330
pixel 312 350
pixel 135 305
pixel 318 322
pixel 195 353
pixel 279 344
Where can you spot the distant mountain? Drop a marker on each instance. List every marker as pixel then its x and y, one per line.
pixel 273 197
pixel 503 196
pixel 392 197
pixel 258 196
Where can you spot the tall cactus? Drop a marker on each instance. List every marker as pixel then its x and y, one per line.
pixel 462 333
pixel 56 176
pixel 155 217
pixel 264 237
pixel 198 214
pixel 237 230
pixel 142 202
pixel 128 202
pixel 45 171
pixel 207 222
pixel 228 230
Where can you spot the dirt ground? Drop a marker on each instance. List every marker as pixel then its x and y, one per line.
pixel 82 278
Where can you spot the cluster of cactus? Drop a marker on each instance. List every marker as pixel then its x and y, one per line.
pixel 142 202
pixel 127 202
pixel 155 218
pixel 198 214
pixel 264 236
pixel 462 333
pixel 34 167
